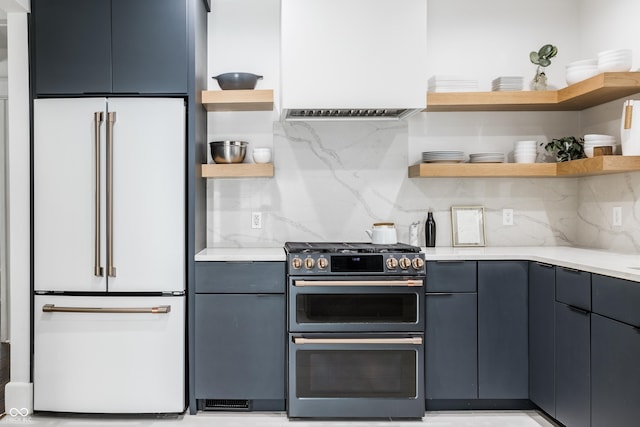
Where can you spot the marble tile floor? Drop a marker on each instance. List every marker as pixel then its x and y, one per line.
pixel 431 419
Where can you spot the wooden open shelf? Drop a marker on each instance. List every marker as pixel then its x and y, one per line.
pixel 237 100
pixel 600 165
pixel 237 170
pixel 594 91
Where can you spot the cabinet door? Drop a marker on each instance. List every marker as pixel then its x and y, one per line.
pixel 149 46
pixel 64 221
pixel 615 381
pixel 503 366
pixel 148 192
pixel 239 346
pixel 541 336
pixel 71 46
pixel 451 351
pixel 572 366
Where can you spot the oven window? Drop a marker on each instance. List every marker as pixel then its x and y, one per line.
pixel 356 373
pixel 353 308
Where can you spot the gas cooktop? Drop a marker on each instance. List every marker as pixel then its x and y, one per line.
pixel 347 248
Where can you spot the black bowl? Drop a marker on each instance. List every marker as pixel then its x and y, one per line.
pixel 235 81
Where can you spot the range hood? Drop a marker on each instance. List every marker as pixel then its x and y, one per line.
pixel 353 59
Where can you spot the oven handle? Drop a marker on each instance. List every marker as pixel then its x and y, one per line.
pixel 409 341
pixel 404 283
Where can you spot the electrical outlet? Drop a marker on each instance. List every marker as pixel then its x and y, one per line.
pixel 256 219
pixel 507 216
pixel 617 216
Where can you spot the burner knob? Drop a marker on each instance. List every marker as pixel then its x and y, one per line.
pixel 323 263
pixel 405 263
pixel 417 263
pixel 296 263
pixel 392 263
pixel 309 263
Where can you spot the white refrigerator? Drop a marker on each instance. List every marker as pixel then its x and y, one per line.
pixel 109 255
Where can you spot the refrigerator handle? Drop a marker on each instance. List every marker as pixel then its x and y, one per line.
pixel 111 269
pixel 98 118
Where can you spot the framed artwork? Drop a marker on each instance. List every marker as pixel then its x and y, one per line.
pixel 467 223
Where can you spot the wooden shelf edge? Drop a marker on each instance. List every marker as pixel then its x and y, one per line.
pixel 237 170
pixel 482 170
pixel 599 165
pixel 237 100
pixel 588 93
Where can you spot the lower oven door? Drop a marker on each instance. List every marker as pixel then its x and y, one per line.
pixel 363 376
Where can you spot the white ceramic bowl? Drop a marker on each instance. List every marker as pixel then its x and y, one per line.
pixel 598 137
pixel 524 158
pixel 614 53
pixel 590 61
pixel 614 66
pixel 262 155
pixel 577 75
pixel 519 144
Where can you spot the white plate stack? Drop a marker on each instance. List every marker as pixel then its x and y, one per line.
pixel 618 60
pixel 443 156
pixel 507 83
pixel 597 140
pixel 581 70
pixel 525 151
pixel 452 84
pixel 486 158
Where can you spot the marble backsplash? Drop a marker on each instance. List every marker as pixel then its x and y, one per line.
pixel 333 180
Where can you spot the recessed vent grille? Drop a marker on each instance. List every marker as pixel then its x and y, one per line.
pixel 346 114
pixel 227 405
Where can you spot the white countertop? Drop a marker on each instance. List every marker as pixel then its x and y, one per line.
pixel 241 254
pixel 592 260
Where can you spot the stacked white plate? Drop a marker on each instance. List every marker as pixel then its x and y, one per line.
pixel 443 156
pixel 597 140
pixel 486 158
pixel 525 151
pixel 452 84
pixel 617 60
pixel 507 83
pixel 581 70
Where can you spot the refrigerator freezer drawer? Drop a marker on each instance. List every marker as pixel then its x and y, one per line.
pixel 109 361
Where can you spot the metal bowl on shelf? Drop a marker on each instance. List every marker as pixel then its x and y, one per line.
pixel 228 151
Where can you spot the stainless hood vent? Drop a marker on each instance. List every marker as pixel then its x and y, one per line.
pixel 353 59
pixel 348 114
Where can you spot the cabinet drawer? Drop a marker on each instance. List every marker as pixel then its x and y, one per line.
pixel 238 277
pixel 573 287
pixel 451 276
pixel 618 299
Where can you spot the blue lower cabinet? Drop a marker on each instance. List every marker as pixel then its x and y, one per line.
pixel 503 321
pixel 451 346
pixel 572 371
pixel 615 373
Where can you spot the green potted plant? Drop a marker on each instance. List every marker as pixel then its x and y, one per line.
pixel 565 149
pixel 542 58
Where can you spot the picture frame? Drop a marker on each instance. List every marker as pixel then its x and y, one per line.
pixel 467 226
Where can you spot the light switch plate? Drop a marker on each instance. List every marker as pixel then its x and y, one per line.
pixel 507 216
pixel 617 216
pixel 256 219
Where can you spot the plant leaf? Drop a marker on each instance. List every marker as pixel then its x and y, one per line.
pixel 544 62
pixel 545 50
pixel 533 57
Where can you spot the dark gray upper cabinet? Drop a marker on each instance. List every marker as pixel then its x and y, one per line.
pixel 503 318
pixel 542 280
pixel 109 47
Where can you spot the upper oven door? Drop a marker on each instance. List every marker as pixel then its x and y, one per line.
pixel 363 304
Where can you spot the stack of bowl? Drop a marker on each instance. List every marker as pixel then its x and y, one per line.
pixel 596 140
pixel 525 151
pixel 618 60
pixel 581 70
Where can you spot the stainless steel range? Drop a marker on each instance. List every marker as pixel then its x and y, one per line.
pixel 356 328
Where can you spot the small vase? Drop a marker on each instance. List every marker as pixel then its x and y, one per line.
pixel 539 80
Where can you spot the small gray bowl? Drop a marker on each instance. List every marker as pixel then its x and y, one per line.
pixel 236 81
pixel 228 151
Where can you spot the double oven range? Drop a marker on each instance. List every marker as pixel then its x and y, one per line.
pixel 356 319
